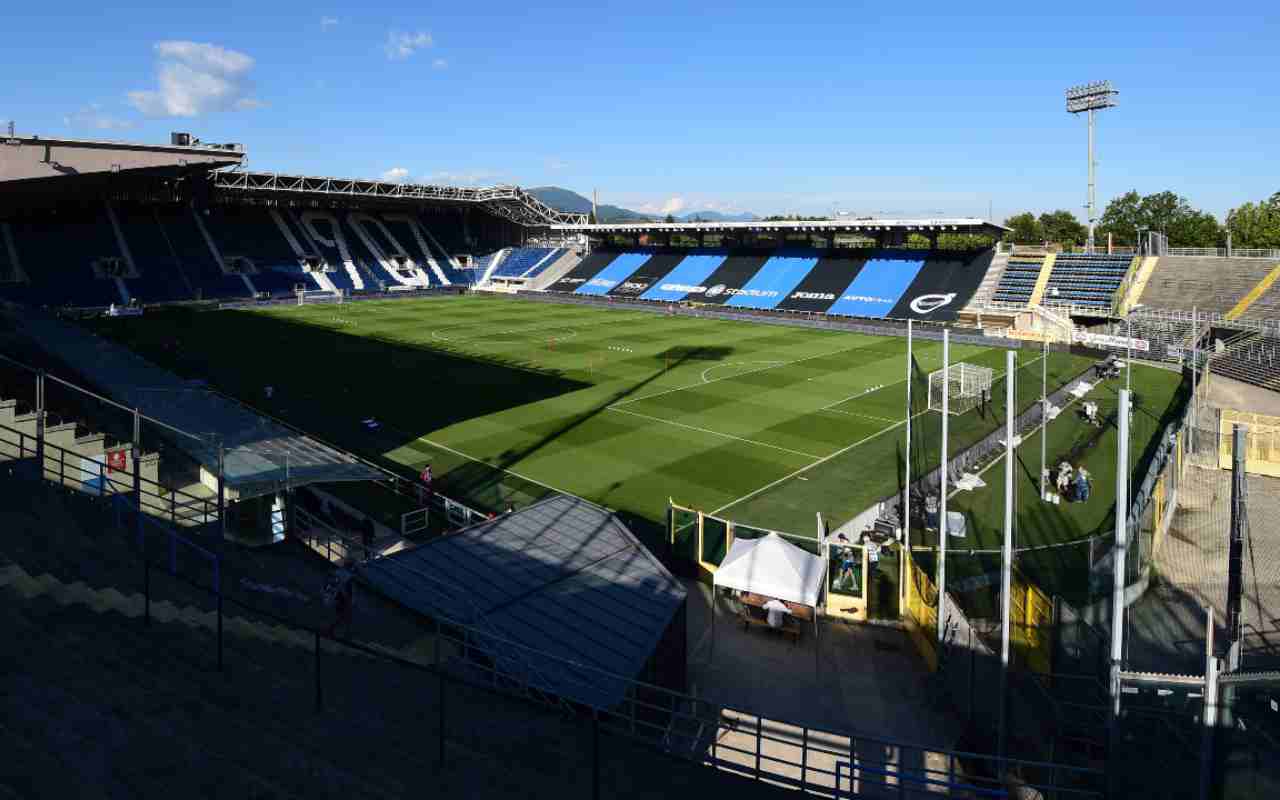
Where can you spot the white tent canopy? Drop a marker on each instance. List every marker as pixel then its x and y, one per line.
pixel 773 567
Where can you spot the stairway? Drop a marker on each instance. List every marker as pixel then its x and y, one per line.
pixel 987 289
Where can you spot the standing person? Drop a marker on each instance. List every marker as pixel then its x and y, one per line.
pixel 339 592
pixel 424 491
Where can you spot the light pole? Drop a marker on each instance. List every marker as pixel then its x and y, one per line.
pixel 1089 98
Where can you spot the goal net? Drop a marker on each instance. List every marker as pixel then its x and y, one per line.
pixel 306 295
pixel 966 386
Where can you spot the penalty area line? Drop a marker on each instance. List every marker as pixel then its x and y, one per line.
pixel 711 432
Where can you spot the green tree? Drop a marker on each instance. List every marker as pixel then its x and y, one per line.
pixel 1062 227
pixel 591 217
pixel 1256 224
pixel 1024 229
pixel 1165 212
pixel 669 219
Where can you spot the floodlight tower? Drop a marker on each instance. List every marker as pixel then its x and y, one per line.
pixel 1091 97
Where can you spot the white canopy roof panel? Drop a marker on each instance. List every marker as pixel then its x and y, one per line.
pixel 773 567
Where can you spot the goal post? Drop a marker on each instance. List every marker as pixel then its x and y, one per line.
pixel 966 385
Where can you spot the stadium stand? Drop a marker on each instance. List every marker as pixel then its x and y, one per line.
pixel 1211 285
pixel 1252 358
pixel 1087 280
pixel 161 276
pixel 1018 282
pixel 252 233
pixel 181 233
pixel 523 259
pixel 10 269
pixel 57 254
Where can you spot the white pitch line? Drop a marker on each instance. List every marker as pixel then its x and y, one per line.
pixel 855 414
pixel 735 375
pixel 490 466
pixel 808 467
pixel 713 433
pixel 825 459
pixel 733 363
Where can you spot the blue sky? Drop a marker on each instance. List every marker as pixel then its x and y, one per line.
pixel 896 108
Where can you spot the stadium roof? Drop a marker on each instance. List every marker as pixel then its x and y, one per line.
pixel 563 578
pixel 36 159
pixel 511 202
pixel 971 225
pixel 260 455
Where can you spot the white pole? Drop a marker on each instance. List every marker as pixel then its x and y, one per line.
pixel 1006 561
pixel 1092 211
pixel 906 490
pixel 942 494
pixel 1044 414
pixel 906 480
pixel 1120 551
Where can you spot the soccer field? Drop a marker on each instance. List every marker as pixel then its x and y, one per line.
pixel 509 400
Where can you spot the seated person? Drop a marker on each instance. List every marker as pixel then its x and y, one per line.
pixel 1090 411
pixel 777 611
pixel 1064 478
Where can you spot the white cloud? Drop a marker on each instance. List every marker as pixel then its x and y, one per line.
pixel 400 46
pixel 395 175
pixel 197 78
pixel 439 63
pixel 328 22
pixel 93 117
pixel 672 205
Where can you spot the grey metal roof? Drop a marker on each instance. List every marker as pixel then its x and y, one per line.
pixel 260 454
pixel 563 578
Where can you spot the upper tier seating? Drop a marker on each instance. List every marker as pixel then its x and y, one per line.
pixel 174 262
pixel 1086 280
pixel 57 254
pixel 190 248
pixel 1019 279
pixel 1209 285
pixel 522 259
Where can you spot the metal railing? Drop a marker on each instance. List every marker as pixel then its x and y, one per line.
pixel 678 726
pixel 1222 252
pixel 68 468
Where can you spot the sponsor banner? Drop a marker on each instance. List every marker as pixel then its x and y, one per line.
pixel 773 283
pixel 655 269
pixel 942 287
pixel 728 281
pixel 686 280
pixel 586 270
pixel 822 285
pixel 877 289
pixel 1112 342
pixel 612 275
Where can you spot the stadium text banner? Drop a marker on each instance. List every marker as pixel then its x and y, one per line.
pixel 1114 342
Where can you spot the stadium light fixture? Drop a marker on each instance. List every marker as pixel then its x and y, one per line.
pixel 1087 99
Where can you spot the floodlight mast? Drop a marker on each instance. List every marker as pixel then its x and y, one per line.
pixel 1089 98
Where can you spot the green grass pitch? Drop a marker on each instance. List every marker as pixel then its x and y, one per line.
pixel 509 400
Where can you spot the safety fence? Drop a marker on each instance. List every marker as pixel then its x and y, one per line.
pixel 1262 441
pixel 490 695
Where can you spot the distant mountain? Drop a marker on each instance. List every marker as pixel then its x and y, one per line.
pixel 567 200
pixel 717 216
